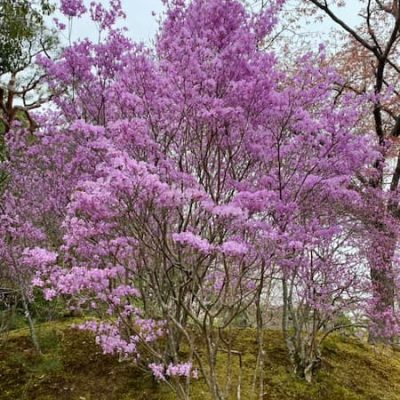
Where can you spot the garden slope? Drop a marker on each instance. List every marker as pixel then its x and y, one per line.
pixel 73 368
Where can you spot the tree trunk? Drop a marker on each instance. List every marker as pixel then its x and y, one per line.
pixel 31 323
pixel 381 271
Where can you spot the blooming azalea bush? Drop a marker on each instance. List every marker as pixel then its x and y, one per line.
pixel 173 188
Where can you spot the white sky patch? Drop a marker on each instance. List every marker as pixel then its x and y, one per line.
pixel 142 25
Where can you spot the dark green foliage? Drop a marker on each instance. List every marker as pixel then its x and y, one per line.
pixel 22 29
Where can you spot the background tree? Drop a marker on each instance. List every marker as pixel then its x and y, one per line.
pixel 369 63
pixel 364 47
pixel 23 36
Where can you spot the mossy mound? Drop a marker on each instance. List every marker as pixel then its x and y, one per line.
pixel 72 367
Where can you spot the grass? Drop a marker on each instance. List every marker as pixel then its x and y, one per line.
pixel 72 367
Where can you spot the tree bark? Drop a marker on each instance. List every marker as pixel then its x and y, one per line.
pixel 383 285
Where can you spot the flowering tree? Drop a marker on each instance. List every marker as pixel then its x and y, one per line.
pixel 171 186
pixel 368 63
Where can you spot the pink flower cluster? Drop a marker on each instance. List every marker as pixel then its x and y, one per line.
pixel 72 8
pixel 161 372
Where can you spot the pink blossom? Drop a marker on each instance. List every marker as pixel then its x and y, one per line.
pixel 72 8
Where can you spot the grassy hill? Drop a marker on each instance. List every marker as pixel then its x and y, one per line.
pixel 73 368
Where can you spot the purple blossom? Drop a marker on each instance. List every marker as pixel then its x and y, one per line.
pixel 72 8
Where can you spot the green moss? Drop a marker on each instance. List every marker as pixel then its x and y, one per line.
pixel 72 367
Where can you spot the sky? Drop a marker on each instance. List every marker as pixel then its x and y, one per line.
pixel 142 25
